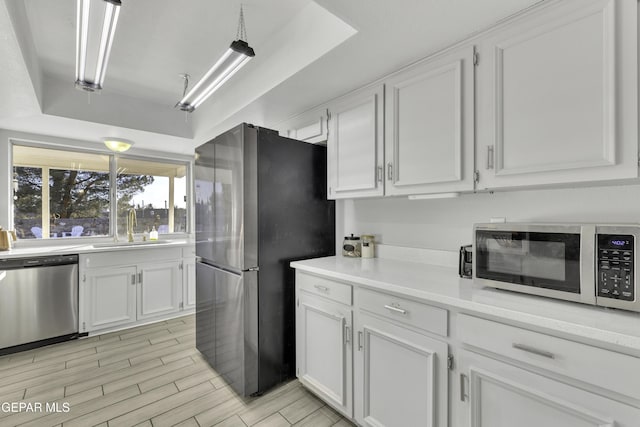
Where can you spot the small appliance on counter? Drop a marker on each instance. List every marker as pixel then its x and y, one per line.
pixel 465 269
pixel 588 263
pixel 351 246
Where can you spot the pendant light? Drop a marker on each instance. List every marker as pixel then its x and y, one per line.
pixel 96 26
pixel 238 54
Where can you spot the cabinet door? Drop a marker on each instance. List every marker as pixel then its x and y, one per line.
pixel 355 145
pixel 497 394
pixel 310 126
pixel 558 95
pixel 324 350
pixel 430 126
pixel 110 295
pixel 159 289
pixel 400 376
pixel 189 283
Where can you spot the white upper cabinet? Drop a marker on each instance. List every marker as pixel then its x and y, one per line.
pixel 310 126
pixel 355 145
pixel 558 96
pixel 429 126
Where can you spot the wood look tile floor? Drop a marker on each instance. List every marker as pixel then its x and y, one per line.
pixel 151 375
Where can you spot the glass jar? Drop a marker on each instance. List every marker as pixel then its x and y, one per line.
pixel 351 246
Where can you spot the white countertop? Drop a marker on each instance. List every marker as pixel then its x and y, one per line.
pixel 618 329
pixel 89 248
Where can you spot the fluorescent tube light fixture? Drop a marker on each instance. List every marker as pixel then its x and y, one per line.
pixel 118 145
pixel 96 26
pixel 238 54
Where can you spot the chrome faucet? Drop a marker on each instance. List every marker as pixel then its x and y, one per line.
pixel 132 220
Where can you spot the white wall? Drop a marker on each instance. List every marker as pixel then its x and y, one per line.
pixel 446 224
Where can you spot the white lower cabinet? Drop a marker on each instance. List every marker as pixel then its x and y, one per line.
pixel 109 298
pixel 509 373
pixel 380 371
pixel 400 376
pixel 120 289
pixel 498 394
pixel 159 289
pixel 189 283
pixel 324 350
pixel 393 367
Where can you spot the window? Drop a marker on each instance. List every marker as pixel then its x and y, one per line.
pixel 75 200
pixel 157 193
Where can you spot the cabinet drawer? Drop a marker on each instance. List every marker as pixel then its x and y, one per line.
pixel 336 291
pixel 129 256
pixel 421 316
pixel 604 368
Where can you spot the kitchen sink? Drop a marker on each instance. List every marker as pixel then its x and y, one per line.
pixel 129 244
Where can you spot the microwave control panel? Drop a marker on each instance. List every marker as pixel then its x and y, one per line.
pixel 616 266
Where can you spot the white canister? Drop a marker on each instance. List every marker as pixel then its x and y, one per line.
pixel 367 246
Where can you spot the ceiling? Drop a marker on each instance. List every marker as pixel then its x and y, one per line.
pixel 307 52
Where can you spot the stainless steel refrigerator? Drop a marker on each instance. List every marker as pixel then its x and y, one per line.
pixel 260 202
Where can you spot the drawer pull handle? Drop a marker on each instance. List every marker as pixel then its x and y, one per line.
pixel 395 309
pixel 532 350
pixel 321 288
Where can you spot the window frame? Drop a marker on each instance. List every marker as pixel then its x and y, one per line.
pixel 144 155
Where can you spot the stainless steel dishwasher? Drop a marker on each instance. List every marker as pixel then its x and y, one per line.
pixel 38 301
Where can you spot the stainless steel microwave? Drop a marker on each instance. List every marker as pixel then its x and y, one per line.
pixel 586 263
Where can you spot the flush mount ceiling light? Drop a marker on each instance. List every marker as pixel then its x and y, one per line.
pixel 238 54
pixel 96 25
pixel 118 145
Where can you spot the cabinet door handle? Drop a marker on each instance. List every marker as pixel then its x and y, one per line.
pixel 140 277
pixel 133 279
pixel 463 387
pixel 489 156
pixel 359 340
pixel 347 334
pixel 389 171
pixel 533 350
pixel 380 173
pixel 321 288
pixel 395 309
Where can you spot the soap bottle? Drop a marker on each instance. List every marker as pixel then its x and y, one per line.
pixel 154 234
